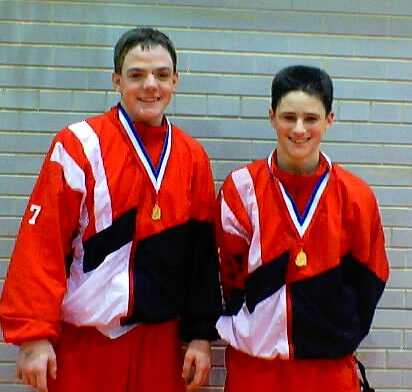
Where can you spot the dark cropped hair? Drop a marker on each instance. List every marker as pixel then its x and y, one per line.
pixel 311 80
pixel 146 38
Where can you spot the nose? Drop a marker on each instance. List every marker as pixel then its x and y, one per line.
pixel 150 82
pixel 299 127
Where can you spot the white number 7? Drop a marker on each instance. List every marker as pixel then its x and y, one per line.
pixel 36 211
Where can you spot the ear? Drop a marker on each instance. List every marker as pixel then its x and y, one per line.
pixel 116 79
pixel 272 115
pixel 330 118
pixel 175 80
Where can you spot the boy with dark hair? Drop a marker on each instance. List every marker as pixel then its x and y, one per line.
pixel 303 261
pixel 115 256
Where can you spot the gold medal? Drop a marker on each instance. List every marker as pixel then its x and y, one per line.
pixel 156 212
pixel 301 259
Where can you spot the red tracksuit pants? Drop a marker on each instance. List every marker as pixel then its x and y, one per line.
pixel 146 359
pixel 251 374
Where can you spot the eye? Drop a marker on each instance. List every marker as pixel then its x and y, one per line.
pixel 311 119
pixel 136 75
pixel 289 117
pixel 163 75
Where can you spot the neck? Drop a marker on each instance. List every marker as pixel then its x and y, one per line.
pixel 301 168
pixel 139 124
pixel 157 122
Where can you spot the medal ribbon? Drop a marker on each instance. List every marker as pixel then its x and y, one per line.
pixel 155 173
pixel 302 222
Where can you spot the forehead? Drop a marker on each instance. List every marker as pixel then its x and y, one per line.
pixel 150 58
pixel 300 101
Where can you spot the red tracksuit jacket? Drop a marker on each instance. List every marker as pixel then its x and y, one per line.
pixel 90 250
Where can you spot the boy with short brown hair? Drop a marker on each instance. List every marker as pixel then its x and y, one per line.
pixel 303 261
pixel 115 260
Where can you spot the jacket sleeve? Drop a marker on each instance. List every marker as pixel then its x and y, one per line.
pixel 203 302
pixel 36 278
pixel 234 233
pixel 370 274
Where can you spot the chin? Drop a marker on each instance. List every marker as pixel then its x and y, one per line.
pixel 299 153
pixel 148 116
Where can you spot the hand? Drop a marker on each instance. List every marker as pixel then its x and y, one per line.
pixel 36 359
pixel 197 363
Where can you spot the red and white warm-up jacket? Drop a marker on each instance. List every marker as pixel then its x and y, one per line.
pixel 89 251
pixel 278 304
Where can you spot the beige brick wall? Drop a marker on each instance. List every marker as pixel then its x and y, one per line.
pixel 55 66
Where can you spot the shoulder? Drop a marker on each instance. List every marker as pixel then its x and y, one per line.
pixel 248 175
pixel 349 180
pixel 77 140
pixel 81 129
pixel 253 169
pixel 189 146
pixel 353 188
pixel 107 119
pixel 183 138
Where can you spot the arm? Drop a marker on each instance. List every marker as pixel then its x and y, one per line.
pixel 36 279
pixel 202 297
pixel 371 274
pixel 197 363
pixel 35 362
pixel 234 233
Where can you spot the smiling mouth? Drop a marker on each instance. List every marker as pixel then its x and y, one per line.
pixel 149 100
pixel 300 141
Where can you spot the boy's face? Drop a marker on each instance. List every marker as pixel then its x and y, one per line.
pixel 146 83
pixel 300 122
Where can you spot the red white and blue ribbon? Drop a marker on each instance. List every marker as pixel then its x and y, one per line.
pixel 155 173
pixel 302 222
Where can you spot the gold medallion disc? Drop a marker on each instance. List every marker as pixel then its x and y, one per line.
pixel 301 259
pixel 156 212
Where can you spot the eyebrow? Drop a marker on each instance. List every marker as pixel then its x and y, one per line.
pixel 305 113
pixel 312 114
pixel 137 69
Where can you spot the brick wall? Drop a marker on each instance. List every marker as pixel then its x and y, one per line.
pixel 55 68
